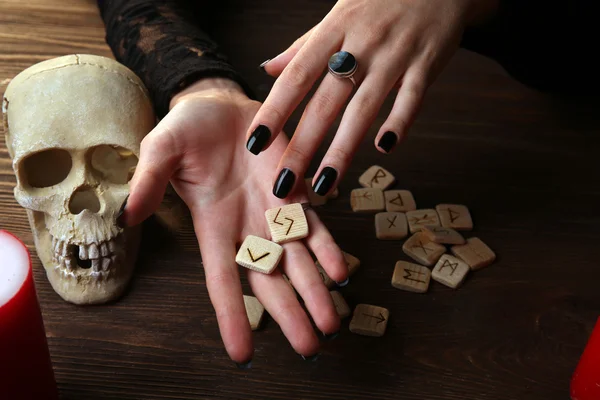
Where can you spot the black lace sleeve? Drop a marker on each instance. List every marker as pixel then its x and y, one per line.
pixel 162 42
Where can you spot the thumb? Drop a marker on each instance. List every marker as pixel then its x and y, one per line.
pixel 159 159
pixel 275 66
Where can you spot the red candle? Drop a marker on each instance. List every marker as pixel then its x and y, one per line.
pixel 25 367
pixel 585 383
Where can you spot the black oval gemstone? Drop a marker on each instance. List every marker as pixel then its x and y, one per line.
pixel 342 63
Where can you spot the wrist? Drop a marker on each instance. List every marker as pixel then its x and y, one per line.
pixel 221 85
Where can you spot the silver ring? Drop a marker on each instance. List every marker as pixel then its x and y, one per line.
pixel 306 206
pixel 343 65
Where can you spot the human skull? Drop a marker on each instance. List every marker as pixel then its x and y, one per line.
pixel 73 128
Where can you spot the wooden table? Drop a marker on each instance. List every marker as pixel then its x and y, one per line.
pixel 525 164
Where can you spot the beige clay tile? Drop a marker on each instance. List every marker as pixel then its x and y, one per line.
pixel 376 177
pixel 259 254
pixel 450 271
pixel 399 200
pixel 287 223
pixel 441 235
pixel 367 200
pixel 475 253
pixel 423 250
pixel 254 310
pixel 369 320
pixel 391 226
pixel 340 304
pixel 411 277
pixel 455 216
pixel 419 218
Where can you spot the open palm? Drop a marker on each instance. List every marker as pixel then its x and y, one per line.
pixel 199 148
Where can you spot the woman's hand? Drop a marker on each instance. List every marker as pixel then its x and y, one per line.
pixel 198 147
pixel 398 44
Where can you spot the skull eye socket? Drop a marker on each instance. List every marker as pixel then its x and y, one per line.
pixel 113 163
pixel 46 168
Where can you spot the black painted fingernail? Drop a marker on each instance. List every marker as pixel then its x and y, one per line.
pixel 311 358
pixel 325 181
pixel 331 336
pixel 284 183
pixel 259 138
pixel 387 141
pixel 344 283
pixel 247 365
pixel 262 66
pixel 120 220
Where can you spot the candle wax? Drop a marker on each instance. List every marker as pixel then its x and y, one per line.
pixel 585 383
pixel 25 367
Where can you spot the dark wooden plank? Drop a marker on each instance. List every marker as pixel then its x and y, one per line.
pixel 525 164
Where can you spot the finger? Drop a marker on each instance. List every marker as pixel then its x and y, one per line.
pixel 318 116
pixel 275 66
pixel 225 291
pixel 300 268
pixel 357 119
pixel 159 157
pixel 281 302
pixel 290 88
pixel 406 106
pixel 326 249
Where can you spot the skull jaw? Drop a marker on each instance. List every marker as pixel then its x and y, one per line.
pixel 85 289
pixel 89 292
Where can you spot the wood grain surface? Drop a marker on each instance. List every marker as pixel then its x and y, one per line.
pixel 524 163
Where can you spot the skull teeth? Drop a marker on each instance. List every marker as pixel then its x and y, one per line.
pixel 93 251
pixel 106 263
pixel 83 252
pixel 88 251
pixel 104 249
pixel 99 266
pixel 102 256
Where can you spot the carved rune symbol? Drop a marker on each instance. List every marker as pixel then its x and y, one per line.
pixel 422 247
pixel 367 195
pixel 380 318
pixel 408 275
pixel 454 215
pixel 450 265
pixel 441 231
pixel 392 221
pixel 397 200
pixel 259 258
pixel 379 174
pixel 423 219
pixel 279 223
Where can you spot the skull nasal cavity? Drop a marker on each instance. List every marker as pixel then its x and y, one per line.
pixel 84 199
